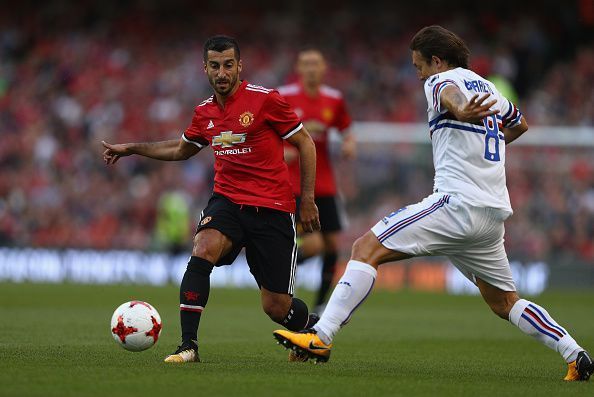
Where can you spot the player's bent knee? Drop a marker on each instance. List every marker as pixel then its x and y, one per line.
pixel 211 245
pixel 364 247
pixel 368 249
pixel 204 252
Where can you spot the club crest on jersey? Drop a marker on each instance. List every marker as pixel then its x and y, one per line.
pixel 327 114
pixel 246 119
pixel 205 220
pixel 228 139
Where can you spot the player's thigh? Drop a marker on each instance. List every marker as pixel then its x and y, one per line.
pixel 271 248
pixel 219 236
pixel 486 260
pixel 310 244
pixel 424 228
pixel 330 241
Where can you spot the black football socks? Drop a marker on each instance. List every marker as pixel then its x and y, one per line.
pixel 296 318
pixel 193 295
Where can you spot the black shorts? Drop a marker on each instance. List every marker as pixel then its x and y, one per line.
pixel 268 236
pixel 329 216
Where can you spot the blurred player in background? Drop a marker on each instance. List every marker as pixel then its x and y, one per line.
pixel 470 124
pixel 321 108
pixel 252 205
pixel 173 222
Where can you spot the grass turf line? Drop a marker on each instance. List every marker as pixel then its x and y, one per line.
pixel 55 341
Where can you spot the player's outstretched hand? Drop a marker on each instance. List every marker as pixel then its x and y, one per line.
pixel 308 214
pixel 113 153
pixel 477 109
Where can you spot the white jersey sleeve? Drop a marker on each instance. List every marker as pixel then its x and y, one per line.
pixel 433 88
pixel 469 159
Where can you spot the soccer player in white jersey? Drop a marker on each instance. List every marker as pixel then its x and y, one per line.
pixel 470 124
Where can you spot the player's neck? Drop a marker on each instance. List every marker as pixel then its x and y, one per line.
pixel 311 89
pixel 222 99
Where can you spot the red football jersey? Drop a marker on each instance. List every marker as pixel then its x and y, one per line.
pixel 247 140
pixel 328 109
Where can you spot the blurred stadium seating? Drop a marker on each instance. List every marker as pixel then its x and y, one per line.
pixel 74 74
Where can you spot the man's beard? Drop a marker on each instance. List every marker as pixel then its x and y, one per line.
pixel 225 89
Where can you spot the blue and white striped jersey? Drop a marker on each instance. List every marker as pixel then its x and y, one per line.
pixel 469 159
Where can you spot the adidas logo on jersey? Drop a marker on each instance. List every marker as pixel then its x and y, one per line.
pixel 210 125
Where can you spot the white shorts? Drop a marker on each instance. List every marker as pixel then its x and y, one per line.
pixel 441 224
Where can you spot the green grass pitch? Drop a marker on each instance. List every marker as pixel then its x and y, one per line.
pixel 55 341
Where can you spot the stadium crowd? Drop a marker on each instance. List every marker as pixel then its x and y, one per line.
pixel 73 76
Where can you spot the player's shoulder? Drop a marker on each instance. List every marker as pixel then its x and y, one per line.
pixel 258 89
pixel 289 89
pixel 207 101
pixel 331 92
pixel 203 106
pixel 432 81
pixel 454 77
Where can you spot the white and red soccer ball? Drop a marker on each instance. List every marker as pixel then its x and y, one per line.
pixel 136 325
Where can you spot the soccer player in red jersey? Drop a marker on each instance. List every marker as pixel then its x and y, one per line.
pixel 321 108
pixel 252 205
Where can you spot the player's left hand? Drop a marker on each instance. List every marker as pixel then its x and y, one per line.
pixel 477 109
pixel 113 152
pixel 308 213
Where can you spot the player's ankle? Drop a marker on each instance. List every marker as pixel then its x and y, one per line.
pixel 323 337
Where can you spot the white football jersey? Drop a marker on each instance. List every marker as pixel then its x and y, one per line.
pixel 469 159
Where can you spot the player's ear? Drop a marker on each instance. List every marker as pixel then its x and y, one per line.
pixel 204 64
pixel 435 60
pixel 239 66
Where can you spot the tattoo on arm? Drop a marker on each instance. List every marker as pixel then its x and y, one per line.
pixel 453 99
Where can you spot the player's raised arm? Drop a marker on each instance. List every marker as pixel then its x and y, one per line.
pixel 470 111
pixel 172 150
pixel 308 211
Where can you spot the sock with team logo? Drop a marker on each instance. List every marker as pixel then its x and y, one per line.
pixel 537 322
pixel 193 295
pixel 352 289
pixel 296 318
pixel 328 266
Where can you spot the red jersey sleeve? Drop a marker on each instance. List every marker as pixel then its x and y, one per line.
pixel 280 115
pixel 193 134
pixel 343 119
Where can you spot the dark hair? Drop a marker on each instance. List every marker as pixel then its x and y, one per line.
pixel 309 47
pixel 444 44
pixel 221 43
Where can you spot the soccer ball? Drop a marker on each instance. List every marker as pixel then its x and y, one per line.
pixel 136 325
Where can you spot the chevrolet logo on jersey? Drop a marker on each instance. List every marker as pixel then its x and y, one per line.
pixel 228 139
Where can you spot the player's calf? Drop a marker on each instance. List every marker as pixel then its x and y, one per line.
pixel 283 309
